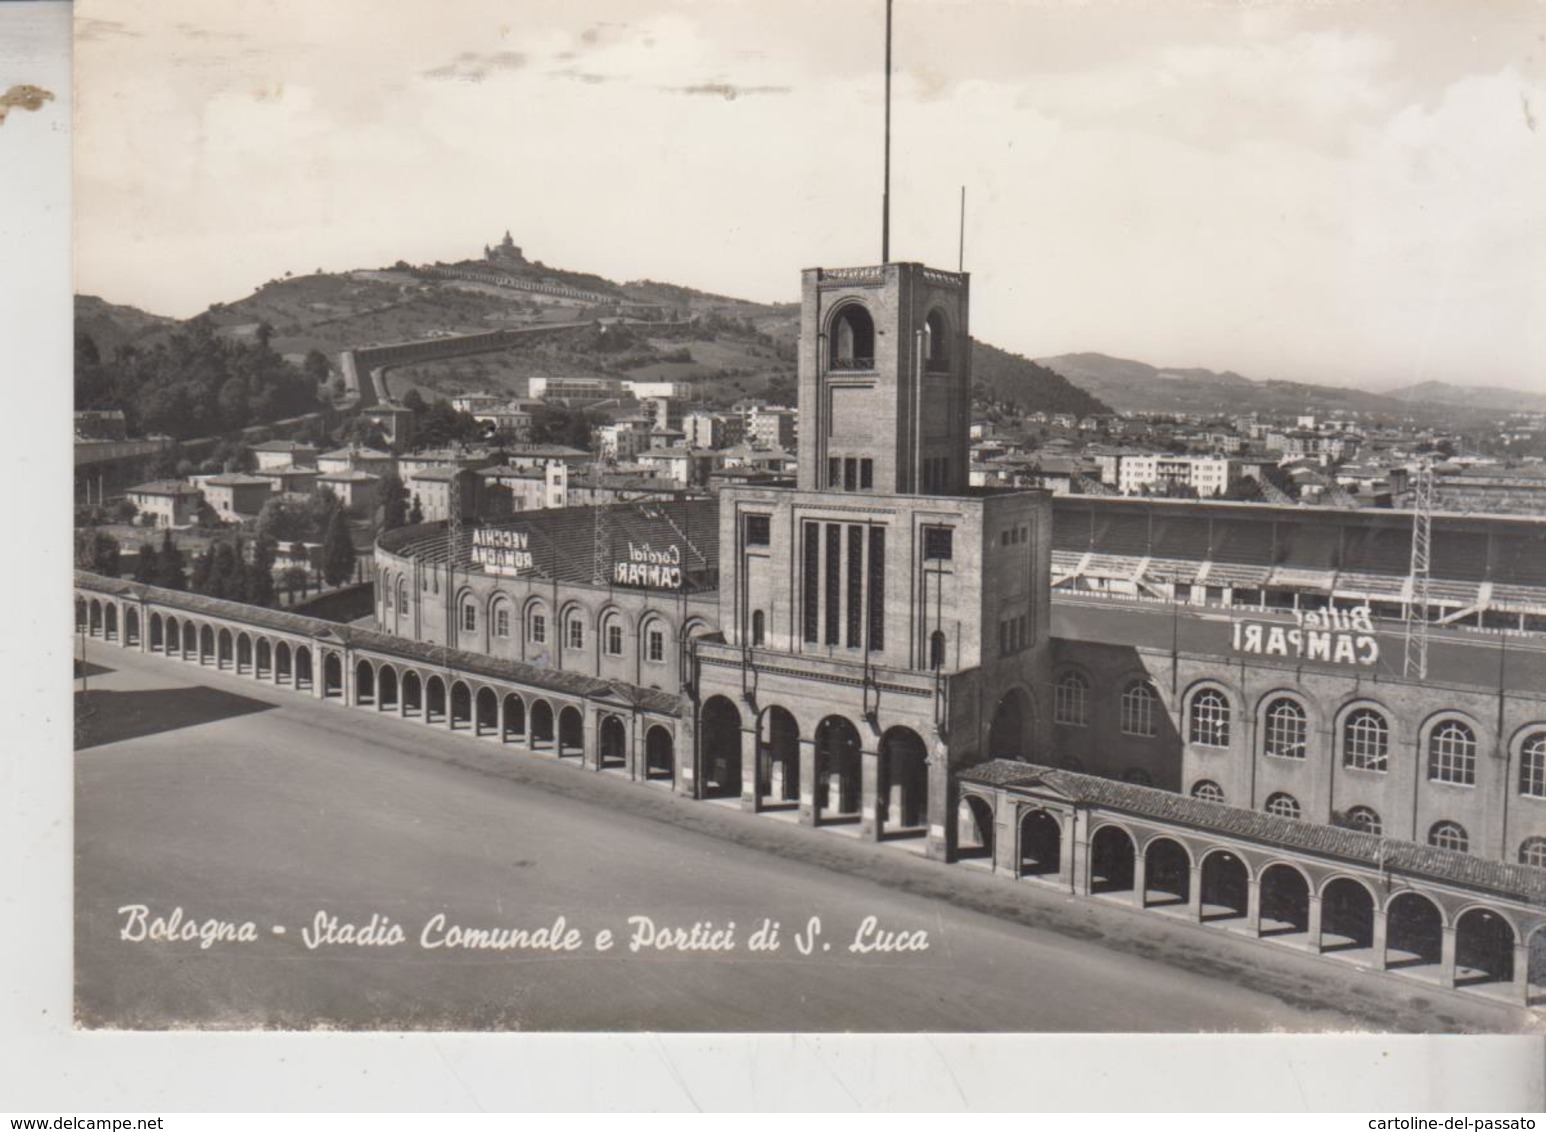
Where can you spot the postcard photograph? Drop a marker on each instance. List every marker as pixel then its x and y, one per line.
pixel 888 516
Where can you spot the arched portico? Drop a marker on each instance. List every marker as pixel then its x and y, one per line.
pixel 157 632
pixel 659 753
pixel 1113 860
pixel 571 733
pixel 1484 948
pixel 303 677
pixel 206 646
pixel 974 828
pixel 612 743
pixel 514 727
pixel 778 756
pixel 838 769
pixel 1285 901
pixel 434 699
pixel 461 706
pixel 1347 915
pixel 386 688
pixel 110 622
pixel 903 805
pixel 486 712
pixel 1041 844
pixel 263 661
pixel 364 683
pixel 541 725
pixel 332 675
pixel 225 649
pixel 720 743
pixel 131 626
pixel 1414 933
pixel 243 653
pixel 1167 873
pixel 1226 886
pixel 413 693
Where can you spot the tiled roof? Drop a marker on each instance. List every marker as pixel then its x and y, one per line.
pixel 238 480
pixel 164 487
pixel 1521 881
pixel 531 675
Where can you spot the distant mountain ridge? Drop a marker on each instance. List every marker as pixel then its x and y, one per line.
pixel 1134 386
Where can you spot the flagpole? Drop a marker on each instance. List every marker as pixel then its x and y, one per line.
pixel 885 200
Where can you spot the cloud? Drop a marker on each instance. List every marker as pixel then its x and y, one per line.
pixel 472 67
pixel 728 91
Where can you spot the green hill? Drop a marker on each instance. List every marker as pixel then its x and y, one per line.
pixel 999 375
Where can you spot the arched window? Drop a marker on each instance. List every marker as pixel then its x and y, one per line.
pixel 1140 710
pixel 469 615
pixel 1283 805
pixel 1137 776
pixel 1285 731
pixel 402 596
pixel 1208 791
pixel 1449 835
pixel 1452 754
pixel 612 637
pixel 1071 702
pixel 655 644
pixel 937 342
pixel 538 631
pixel 1532 766
pixel 501 619
pixel 386 594
pixel 1532 851
pixel 759 628
pixel 937 649
pixel 1365 820
pixel 1210 718
pixel 1366 741
pixel 576 637
pixel 851 343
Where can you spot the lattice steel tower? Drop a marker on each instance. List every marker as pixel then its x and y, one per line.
pixel 1416 661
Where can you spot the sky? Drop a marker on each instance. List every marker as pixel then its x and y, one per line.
pixel 1329 191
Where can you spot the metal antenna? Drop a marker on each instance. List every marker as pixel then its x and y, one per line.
pixel 1416 659
pixel 961 241
pixel 885 199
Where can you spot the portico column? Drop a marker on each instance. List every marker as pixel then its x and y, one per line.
pixel 1140 877
pixel 1006 843
pixel 1378 944
pixel 1194 894
pixel 1315 923
pixel 1066 843
pixel 684 760
pixel 942 809
pixel 631 754
pixel 751 771
pixel 590 739
pixel 1447 958
pixel 1253 906
pixel 870 802
pixel 1522 973
pixel 807 781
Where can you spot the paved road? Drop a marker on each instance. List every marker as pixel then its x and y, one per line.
pixel 243 803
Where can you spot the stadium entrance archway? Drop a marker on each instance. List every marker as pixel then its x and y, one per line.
pixel 1226 886
pixel 659 754
pixel 903 806
pixel 1041 844
pixel 1285 901
pixel 838 769
pixel 1347 916
pixel 1167 873
pixel 974 829
pixel 720 743
pixel 1113 860
pixel 778 762
pixel 1414 935
pixel 613 741
pixel 571 733
pixel 1484 948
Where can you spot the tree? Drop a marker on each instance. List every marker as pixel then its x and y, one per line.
pixel 96 551
pixel 394 502
pixel 337 551
pixel 316 367
pixel 169 565
pixel 146 565
pixel 259 589
pixel 203 567
pixel 416 512
pixel 293 579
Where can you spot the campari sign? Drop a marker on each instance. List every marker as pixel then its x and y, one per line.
pixel 1336 636
pixel 648 567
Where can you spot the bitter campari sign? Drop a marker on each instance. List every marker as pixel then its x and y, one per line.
pixel 1336 636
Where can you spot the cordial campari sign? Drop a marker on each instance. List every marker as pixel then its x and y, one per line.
pixel 1337 636
pixel 501 551
pixel 648 567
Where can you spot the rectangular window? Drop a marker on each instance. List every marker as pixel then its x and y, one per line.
pixel 855 586
pixel 877 588
pixel 576 633
pixel 866 474
pixel 469 617
pixel 835 471
pixel 539 628
pixel 938 543
pixel 759 530
pixel 501 622
pixel 850 474
pixel 614 640
pixel 834 580
pixel 811 595
pixel 656 641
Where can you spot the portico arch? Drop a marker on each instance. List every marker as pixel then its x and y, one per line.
pixel 332 675
pixel 1167 873
pixel 1113 860
pixel 1041 844
pixel 243 653
pixel 974 828
pixel 1226 884
pixel 486 712
pixel 302 666
pixel 283 663
pixel 720 742
pixel 157 633
pixel 613 742
pixel 1347 915
pixel 838 768
pixel 1484 948
pixel 386 691
pixel 190 640
pixel 541 725
pixel 206 645
pixel 413 693
pixel 95 623
pixel 110 622
pixel 1415 932
pixel 131 626
pixel 225 649
pixel 1285 900
pixel 434 699
pixel 364 683
pixel 778 755
pixel 263 662
pixel 659 753
pixel 461 706
pixel 515 718
pixel 571 733
pixel 903 805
